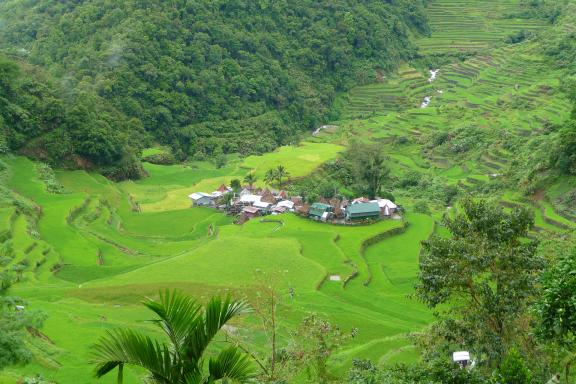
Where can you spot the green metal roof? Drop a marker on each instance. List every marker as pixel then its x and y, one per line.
pixel 363 208
pixel 317 209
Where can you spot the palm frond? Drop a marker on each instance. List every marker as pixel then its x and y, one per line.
pixel 217 313
pixel 231 364
pixel 122 347
pixel 178 314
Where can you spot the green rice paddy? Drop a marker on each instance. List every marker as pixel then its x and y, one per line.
pixel 88 256
pixel 95 259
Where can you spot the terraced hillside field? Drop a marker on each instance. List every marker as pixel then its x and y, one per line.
pixel 89 259
pixel 470 25
pixel 472 132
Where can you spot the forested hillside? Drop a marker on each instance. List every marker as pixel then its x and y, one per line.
pixel 75 128
pixel 210 77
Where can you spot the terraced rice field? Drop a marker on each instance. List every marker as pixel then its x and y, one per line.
pixel 471 26
pixel 90 258
pixel 399 92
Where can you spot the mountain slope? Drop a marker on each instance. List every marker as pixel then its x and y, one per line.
pixel 214 76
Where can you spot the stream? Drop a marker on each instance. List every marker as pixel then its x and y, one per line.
pixel 433 76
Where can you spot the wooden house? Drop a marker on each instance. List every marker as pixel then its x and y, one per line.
pixel 251 212
pixel 387 207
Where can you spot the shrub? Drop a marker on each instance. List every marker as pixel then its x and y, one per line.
pixel 513 370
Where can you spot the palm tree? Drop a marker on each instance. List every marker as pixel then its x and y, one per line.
pixel 280 173
pixel 227 199
pixel 189 329
pixel 250 179
pixel 270 176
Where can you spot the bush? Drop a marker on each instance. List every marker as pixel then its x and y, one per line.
pixel 513 370
pixel 421 206
pixel 164 158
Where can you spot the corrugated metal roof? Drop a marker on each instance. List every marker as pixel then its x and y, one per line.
pixel 360 208
pixel 198 195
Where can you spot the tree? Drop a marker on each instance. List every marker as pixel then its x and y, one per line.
pixel 557 306
pixel 366 163
pixel 487 271
pixel 235 185
pixel 227 199
pixel 374 171
pixel 565 156
pixel 281 172
pixel 314 342
pixel 189 329
pixel 270 176
pixel 250 179
pixel 15 321
pixel 513 370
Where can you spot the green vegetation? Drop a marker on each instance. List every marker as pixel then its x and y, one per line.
pixel 487 268
pixel 106 257
pixel 190 329
pixel 78 130
pixel 221 85
pixel 468 26
pixel 208 77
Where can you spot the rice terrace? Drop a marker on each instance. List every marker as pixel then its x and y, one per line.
pixel 472 111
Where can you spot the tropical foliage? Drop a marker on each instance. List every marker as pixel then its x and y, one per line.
pixel 214 76
pixel 78 129
pixel 189 329
pixel 486 271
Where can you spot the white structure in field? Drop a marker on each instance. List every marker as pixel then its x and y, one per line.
pixel 201 199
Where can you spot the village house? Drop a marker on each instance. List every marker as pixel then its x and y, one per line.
pixel 249 199
pixel 286 204
pixel 251 212
pixel 362 211
pixel 264 206
pixel 320 211
pixel 201 199
pixel 387 207
pixel 223 189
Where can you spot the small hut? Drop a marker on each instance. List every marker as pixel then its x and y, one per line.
pixel 303 209
pixel 268 197
pixel 337 208
pixel 251 212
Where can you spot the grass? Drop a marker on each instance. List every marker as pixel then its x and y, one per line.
pixel 143 252
pixel 299 160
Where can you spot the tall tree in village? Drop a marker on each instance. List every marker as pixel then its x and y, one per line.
pixel 235 185
pixel 250 179
pixel 189 329
pixel 367 166
pixel 486 272
pixel 281 172
pixel 374 171
pixel 270 176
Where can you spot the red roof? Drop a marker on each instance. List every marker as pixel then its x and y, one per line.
pixel 282 194
pixel 223 188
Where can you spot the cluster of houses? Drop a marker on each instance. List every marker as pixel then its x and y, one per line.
pixel 251 203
